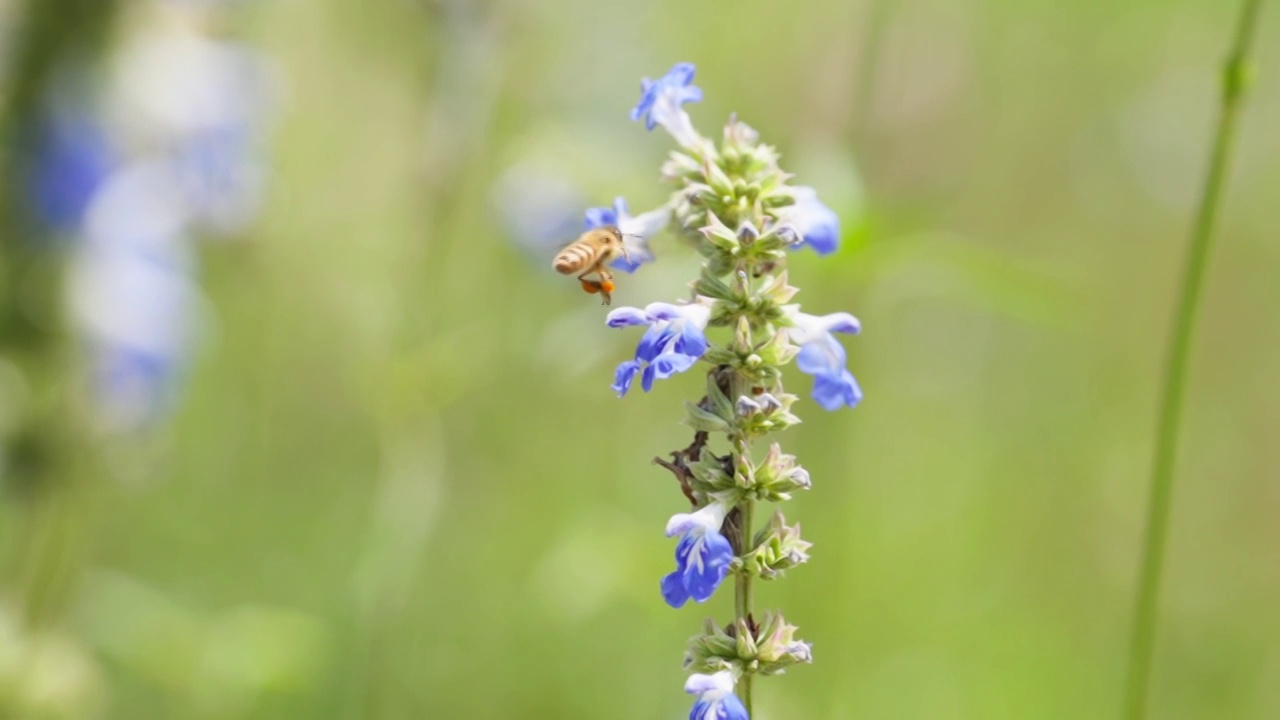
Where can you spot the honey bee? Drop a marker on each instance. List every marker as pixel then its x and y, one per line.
pixel 588 255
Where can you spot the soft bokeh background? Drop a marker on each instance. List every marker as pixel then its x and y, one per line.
pixel 392 481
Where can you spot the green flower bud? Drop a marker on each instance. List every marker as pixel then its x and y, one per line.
pixel 778 350
pixel 719 234
pixel 680 166
pixel 767 412
pixel 778 547
pixel 718 179
pixel 744 641
pixel 712 651
pixel 777 647
pixel 777 289
pixel 777 475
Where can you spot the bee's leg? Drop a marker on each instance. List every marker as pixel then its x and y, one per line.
pixel 602 285
pixel 588 286
pixel 606 286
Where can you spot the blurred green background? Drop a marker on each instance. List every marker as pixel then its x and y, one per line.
pixel 397 484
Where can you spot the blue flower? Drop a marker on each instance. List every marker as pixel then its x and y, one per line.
pixel 822 356
pixel 222 177
pixel 73 157
pixel 716 700
pixel 540 209
pixel 132 294
pixel 815 223
pixel 702 557
pixel 672 344
pixel 660 102
pixel 635 230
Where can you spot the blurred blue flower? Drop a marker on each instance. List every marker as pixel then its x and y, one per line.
pixel 672 344
pixel 660 102
pixel 72 158
pixel 134 167
pixel 716 700
pixel 816 224
pixel 132 294
pixel 636 231
pixel 133 388
pixel 823 357
pixel 221 176
pixel 540 208
pixel 702 557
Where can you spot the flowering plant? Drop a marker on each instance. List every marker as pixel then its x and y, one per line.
pixel 737 208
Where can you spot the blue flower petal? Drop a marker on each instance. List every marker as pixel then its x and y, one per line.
pixel 683 523
pixel 692 341
pixel 646 380
pixel 725 707
pixel 706 565
pixel 623 316
pixel 628 266
pixel 842 323
pixel 697 684
pixel 731 708
pixel 653 342
pixel 823 355
pixel 73 159
pixel 648 95
pixel 817 223
pixel 663 311
pixel 835 390
pixel 823 238
pixel 620 209
pixel 673 591
pixel 623 376
pixel 675 85
pixel 599 217
pixel 680 73
pixel 668 364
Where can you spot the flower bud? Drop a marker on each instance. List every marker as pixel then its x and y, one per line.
pixel 778 547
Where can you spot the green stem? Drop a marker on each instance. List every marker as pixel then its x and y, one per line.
pixel 746 508
pixel 1235 78
pixel 876 20
pixel 742 594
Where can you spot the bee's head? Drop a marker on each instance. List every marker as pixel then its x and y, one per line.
pixel 611 236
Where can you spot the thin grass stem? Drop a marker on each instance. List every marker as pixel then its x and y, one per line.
pixel 1235 80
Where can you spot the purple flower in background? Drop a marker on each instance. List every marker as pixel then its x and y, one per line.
pixel 221 176
pixel 702 557
pixel 164 148
pixel 672 344
pixel 716 700
pixel 73 157
pixel 132 293
pixel 661 100
pixel 636 231
pixel 823 357
pixel 540 208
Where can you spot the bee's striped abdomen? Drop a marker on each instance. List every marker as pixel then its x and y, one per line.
pixel 575 257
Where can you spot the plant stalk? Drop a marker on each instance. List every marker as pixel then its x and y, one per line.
pixel 742 595
pixel 742 591
pixel 1235 80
